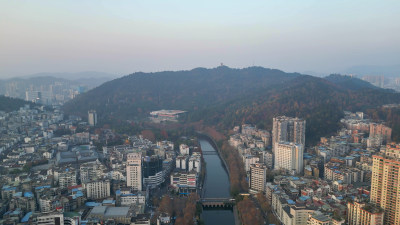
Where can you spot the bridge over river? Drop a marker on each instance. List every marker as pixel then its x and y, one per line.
pixel 217 202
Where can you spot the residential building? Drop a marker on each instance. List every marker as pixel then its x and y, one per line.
pixel 134 171
pixel 289 156
pixel 258 174
pixel 385 187
pixel 287 129
pixel 92 117
pixel 359 212
pixel 97 189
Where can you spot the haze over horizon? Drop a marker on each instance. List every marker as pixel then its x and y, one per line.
pixel 128 36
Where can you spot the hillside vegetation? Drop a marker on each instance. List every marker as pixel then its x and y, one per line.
pixel 226 97
pixel 8 104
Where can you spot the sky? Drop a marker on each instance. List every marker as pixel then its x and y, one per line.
pixel 122 37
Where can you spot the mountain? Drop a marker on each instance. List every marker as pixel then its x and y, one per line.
pixel 75 76
pixel 226 97
pixel 135 95
pixel 349 82
pixel 8 104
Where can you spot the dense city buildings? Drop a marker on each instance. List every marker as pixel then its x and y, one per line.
pixel 58 169
pixel 330 183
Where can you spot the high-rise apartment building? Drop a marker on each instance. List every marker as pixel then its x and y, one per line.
pixel 287 129
pixel 134 171
pixel 359 212
pixel 92 117
pixel 289 156
pixel 258 173
pixel 385 187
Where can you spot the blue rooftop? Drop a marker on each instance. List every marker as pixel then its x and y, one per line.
pixel 8 188
pixel 92 204
pixel 42 187
pixel 108 201
pixel 128 195
pixel 77 195
pixel 26 217
pixel 28 194
pixel 290 202
pixel 304 198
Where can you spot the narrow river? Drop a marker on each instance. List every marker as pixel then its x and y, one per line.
pixel 215 185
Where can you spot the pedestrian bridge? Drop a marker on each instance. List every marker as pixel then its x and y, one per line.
pixel 217 202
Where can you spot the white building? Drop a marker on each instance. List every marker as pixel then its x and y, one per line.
pixel 92 118
pixel 97 189
pixel 132 198
pixel 67 178
pixel 258 174
pixel 181 162
pixel 134 171
pixel 50 219
pixel 289 156
pixel 195 163
pixel 184 149
pixel 249 160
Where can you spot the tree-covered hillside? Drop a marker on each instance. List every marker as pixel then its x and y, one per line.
pixel 135 95
pixel 10 104
pixel 226 97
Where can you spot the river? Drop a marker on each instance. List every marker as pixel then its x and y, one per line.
pixel 216 185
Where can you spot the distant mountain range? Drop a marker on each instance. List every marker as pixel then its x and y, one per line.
pixel 89 78
pixel 362 70
pixel 226 97
pixel 59 83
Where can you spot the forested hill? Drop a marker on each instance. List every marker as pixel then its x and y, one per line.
pixel 317 100
pixel 8 104
pixel 135 95
pixel 349 82
pixel 229 97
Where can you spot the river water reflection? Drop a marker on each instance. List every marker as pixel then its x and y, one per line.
pixel 216 185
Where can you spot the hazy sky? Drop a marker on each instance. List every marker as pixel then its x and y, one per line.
pixel 121 37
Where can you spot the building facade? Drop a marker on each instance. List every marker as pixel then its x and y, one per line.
pixel 134 171
pixel 92 118
pixel 364 213
pixel 287 129
pixel 289 156
pixel 97 189
pixel 385 187
pixel 258 172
